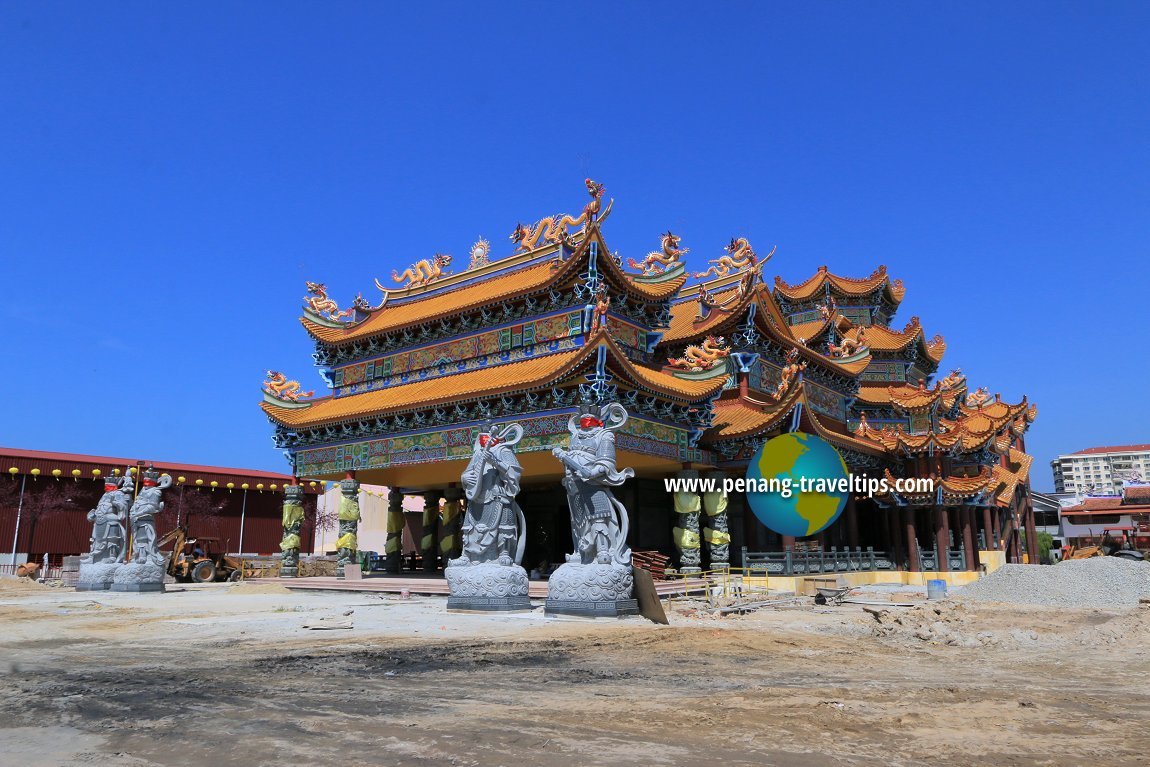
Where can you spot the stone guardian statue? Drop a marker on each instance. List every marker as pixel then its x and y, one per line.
pixel 488 575
pixel 146 570
pixel 596 579
pixel 108 544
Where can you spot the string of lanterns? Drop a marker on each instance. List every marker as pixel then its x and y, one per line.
pixel 198 482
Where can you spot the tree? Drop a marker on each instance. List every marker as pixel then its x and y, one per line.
pixel 43 502
pixel 193 503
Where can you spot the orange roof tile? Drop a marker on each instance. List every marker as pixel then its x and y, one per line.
pixel 439 299
pixel 966 486
pixel 445 303
pixel 914 398
pixel 683 388
pixel 841 439
pixel 843 285
pixel 884 339
pixel 742 417
pixel 538 372
pixel 683 314
pixel 808 330
pixel 873 393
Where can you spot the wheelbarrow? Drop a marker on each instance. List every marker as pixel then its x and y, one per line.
pixel 831 596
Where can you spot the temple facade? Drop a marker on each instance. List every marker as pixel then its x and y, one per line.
pixel 708 371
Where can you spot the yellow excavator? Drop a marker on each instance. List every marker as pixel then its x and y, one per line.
pixel 199 560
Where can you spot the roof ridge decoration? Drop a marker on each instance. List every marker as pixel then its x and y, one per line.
pixel 553 229
pixel 792 372
pixel 480 254
pixel 325 311
pixel 663 264
pixel 420 273
pixel 702 357
pixel 281 392
pixel 738 257
pixel 977 398
pixel 850 348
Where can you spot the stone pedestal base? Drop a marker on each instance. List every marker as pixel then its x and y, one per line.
pixel 488 587
pixel 289 572
pixel 97 576
pixel 594 591
pixel 139 576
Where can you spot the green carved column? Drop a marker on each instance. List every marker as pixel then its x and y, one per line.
pixel 686 533
pixel 394 544
pixel 347 544
pixel 429 545
pixel 717 533
pixel 292 521
pixel 449 542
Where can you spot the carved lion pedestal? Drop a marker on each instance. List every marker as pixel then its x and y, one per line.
pixel 139 576
pixel 593 590
pixel 97 576
pixel 488 587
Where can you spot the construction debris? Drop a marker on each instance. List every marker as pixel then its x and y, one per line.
pixel 1099 582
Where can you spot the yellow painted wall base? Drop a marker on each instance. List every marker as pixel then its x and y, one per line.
pixel 796 583
pixel 992 560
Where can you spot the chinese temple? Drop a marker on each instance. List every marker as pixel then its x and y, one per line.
pixel 707 371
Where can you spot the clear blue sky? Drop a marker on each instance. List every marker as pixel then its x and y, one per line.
pixel 171 173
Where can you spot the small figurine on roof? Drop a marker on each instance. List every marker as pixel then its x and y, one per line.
pixel 599 310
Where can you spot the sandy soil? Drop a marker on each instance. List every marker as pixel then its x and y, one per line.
pixel 226 675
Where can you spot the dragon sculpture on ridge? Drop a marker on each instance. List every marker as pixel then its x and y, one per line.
pixel 319 302
pixel 848 346
pixel 278 386
pixel 553 229
pixel 978 397
pixel 422 272
pixel 658 262
pixel 790 373
pixel 704 357
pixel 739 255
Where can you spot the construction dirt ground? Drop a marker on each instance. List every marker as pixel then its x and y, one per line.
pixel 228 675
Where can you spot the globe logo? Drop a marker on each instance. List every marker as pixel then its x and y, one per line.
pixel 795 484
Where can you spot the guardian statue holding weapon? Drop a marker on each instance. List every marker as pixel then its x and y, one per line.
pixel 488 575
pixel 596 580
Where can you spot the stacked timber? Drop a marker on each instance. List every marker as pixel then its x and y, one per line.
pixel 653 562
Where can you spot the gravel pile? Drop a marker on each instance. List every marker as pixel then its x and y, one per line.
pixel 1096 582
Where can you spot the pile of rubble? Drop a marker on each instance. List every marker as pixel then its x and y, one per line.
pixel 1100 582
pixel 940 623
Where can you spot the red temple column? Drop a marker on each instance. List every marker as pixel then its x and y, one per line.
pixel 788 543
pixel 987 529
pixel 911 540
pixel 941 538
pixel 894 538
pixel 998 540
pixel 852 524
pixel 967 515
pixel 1031 535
